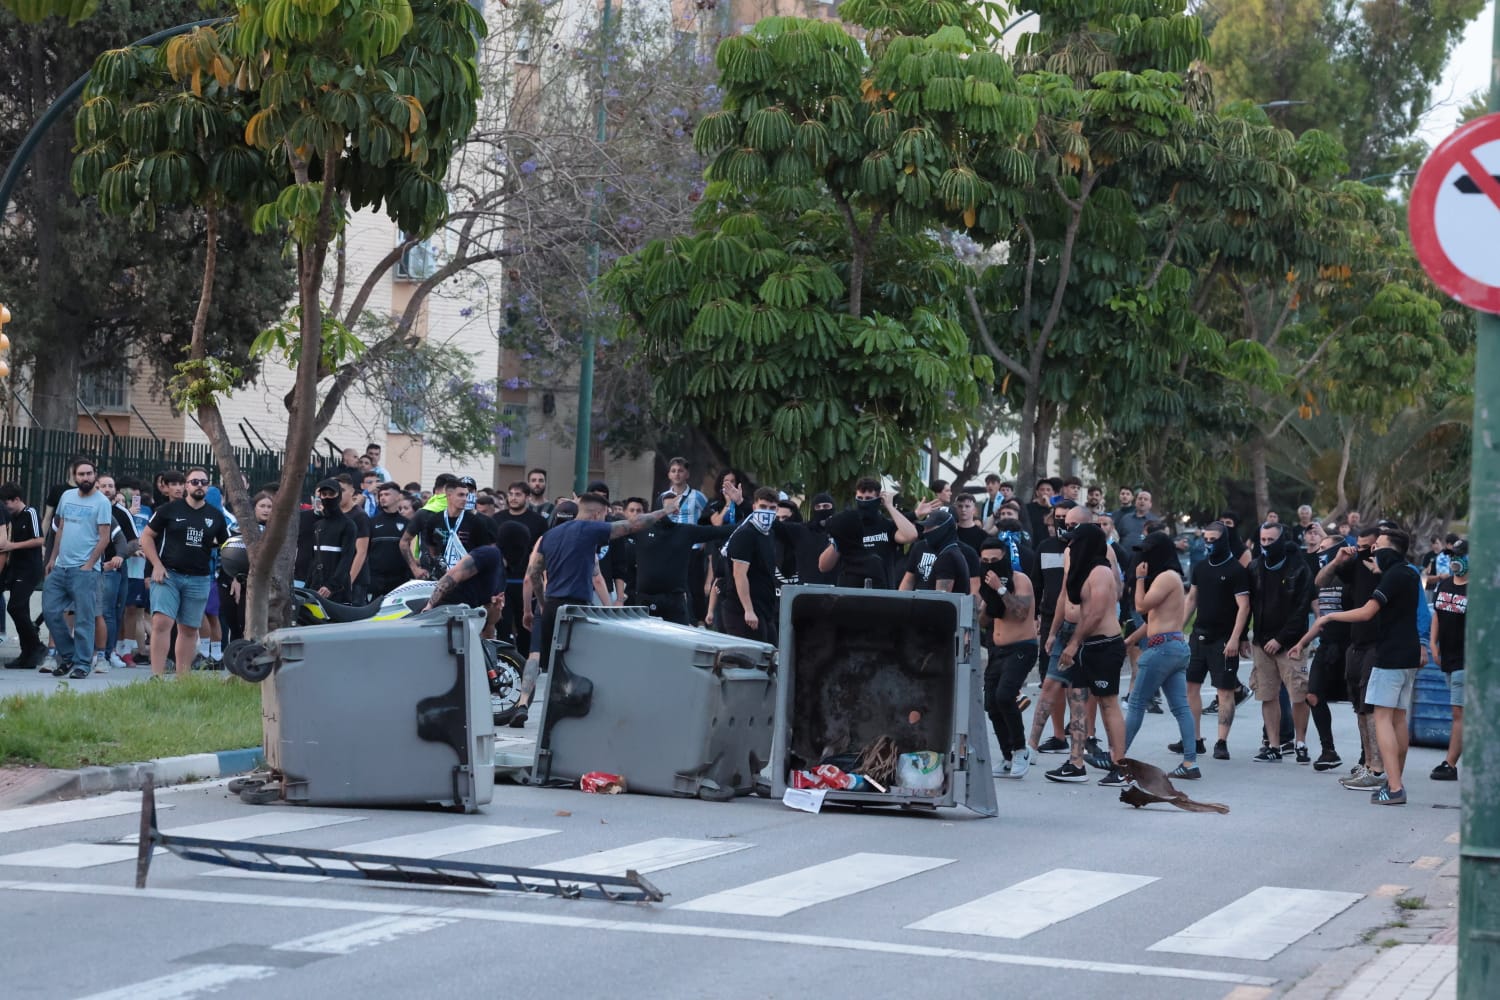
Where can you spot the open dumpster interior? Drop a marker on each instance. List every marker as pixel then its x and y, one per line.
pixel 872 693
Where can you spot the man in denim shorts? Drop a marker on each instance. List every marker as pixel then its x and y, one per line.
pixel 178 543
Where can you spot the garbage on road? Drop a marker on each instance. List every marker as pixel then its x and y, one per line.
pixel 601 783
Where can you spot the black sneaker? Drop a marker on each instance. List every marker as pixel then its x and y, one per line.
pixel 1268 755
pixel 1302 755
pixel 1327 761
pixel 77 673
pixel 1052 744
pixel 1114 779
pixel 1177 747
pixel 1153 707
pixel 1213 708
pixel 1189 773
pixel 1240 694
pixel 1287 746
pixel 1092 748
pixel 1068 773
pixel 514 717
pixel 61 670
pixel 1221 750
pixel 1444 772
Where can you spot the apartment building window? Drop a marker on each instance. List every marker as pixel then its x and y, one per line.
pixel 408 396
pixel 418 262
pixel 104 389
pixel 513 445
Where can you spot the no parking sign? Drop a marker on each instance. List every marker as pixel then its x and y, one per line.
pixel 1454 215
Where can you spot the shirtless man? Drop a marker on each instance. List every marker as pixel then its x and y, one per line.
pixel 1009 609
pixel 1095 654
pixel 1164 661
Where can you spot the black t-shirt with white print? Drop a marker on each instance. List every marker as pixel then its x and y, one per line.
pixel 187 537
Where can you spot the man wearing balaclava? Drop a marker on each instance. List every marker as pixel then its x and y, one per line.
pixel 333 544
pixel 862 541
pixel 937 561
pixel 750 599
pixel 1281 596
pixel 808 539
pixel 1450 613
pixel 1398 654
pixel 1220 592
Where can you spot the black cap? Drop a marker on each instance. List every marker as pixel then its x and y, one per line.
pixel 329 484
pixel 467 482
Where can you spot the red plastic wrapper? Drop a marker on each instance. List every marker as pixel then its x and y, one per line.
pixel 822 776
pixel 601 783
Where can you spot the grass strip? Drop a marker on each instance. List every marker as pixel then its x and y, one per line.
pixel 199 713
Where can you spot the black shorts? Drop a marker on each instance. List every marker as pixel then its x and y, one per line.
pixel 667 607
pixel 1100 660
pixel 1207 661
pixel 1325 676
pixel 1358 662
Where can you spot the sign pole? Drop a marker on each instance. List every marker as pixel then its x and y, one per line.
pixel 1479 861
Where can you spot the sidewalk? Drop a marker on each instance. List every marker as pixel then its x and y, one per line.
pixel 1413 957
pixel 21 786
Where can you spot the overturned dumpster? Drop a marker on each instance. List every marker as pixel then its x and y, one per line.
pixel 886 685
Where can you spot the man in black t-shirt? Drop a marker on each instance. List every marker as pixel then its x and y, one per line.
pixel 517 509
pixel 23 574
pixel 331 545
pixel 662 559
pixel 937 561
pixel 1392 607
pixel 1347 568
pixel 386 567
pixel 750 595
pixel 179 543
pixel 1220 592
pixel 619 564
pixel 445 534
pixel 1450 615
pixel 862 542
pixel 966 516
pixel 353 506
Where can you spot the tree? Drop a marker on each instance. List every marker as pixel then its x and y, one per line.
pixel 803 357
pixel 332 105
pixel 84 285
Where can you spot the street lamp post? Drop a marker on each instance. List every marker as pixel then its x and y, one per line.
pixel 1479 852
pixel 585 435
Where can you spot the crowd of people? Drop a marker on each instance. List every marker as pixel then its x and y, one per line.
pixel 1088 596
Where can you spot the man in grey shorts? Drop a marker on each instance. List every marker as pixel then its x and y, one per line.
pixel 1398 654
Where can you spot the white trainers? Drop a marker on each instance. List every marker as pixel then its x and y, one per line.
pixel 1021 762
pixel 115 661
pixel 48 664
pixel 101 664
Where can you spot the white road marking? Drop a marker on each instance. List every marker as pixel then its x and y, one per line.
pixel 376 931
pixel 623 926
pixel 647 856
pixel 426 845
pixel 265 824
pixel 1026 907
pixel 195 981
pixel 1259 924
pixel 72 811
pixel 776 897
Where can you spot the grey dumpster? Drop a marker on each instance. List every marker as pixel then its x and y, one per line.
pixel 382 713
pixel 673 710
pixel 856 665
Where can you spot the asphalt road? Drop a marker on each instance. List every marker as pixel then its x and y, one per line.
pixel 1069 893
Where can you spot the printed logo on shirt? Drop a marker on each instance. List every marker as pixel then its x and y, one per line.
pixel 194 538
pixel 925 564
pixel 1454 604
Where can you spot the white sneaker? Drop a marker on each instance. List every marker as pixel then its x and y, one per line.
pixel 48 664
pixel 115 661
pixel 101 664
pixel 1020 763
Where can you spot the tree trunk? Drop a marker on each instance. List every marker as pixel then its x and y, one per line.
pixel 1262 478
pixel 1041 441
pixel 856 274
pixel 1342 493
pixel 54 384
pixel 1066 463
pixel 1026 472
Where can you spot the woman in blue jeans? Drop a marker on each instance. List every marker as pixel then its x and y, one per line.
pixel 1159 595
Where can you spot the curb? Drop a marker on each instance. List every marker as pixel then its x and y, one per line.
pixel 165 771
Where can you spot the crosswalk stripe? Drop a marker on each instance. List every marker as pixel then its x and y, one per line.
pixel 426 845
pixel 197 981
pixel 72 811
pixel 1026 907
pixel 1259 924
pixel 365 934
pixel 776 897
pixel 265 824
pixel 647 856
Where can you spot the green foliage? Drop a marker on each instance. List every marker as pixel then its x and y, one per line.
pixel 279 341
pixel 35 11
pixel 198 383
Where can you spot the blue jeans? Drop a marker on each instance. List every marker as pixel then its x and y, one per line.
pixel 1163 668
pixel 70 587
pixel 112 606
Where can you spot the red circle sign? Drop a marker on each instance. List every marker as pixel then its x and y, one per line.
pixel 1454 215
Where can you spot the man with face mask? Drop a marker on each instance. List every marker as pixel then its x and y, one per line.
pixel 937 561
pixel 1325 677
pixel 179 542
pixel 1393 608
pixel 84 521
pixel 333 540
pixel 1163 663
pixel 1009 611
pixel 1220 593
pixel 1348 569
pixel 1281 594
pixel 1096 651
pixel 862 541
pixel 749 606
pixel 1450 613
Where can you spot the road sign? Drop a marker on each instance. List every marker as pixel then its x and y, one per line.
pixel 1455 214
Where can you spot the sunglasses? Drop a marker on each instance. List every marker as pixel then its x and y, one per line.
pixel 197 482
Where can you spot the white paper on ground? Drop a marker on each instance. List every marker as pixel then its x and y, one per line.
pixel 806 799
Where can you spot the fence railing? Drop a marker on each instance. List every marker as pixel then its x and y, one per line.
pixel 38 459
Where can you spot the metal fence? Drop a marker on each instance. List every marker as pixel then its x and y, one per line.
pixel 37 459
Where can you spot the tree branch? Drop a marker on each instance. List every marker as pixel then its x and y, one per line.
pixel 989 342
